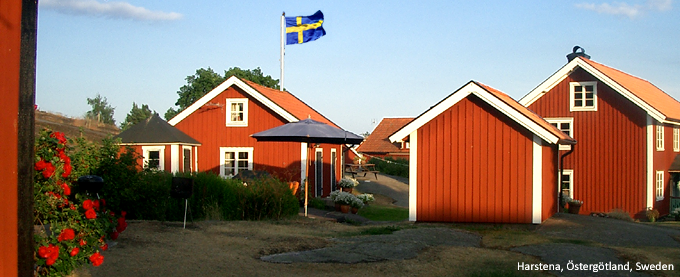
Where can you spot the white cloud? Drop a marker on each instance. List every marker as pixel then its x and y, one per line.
pixel 624 9
pixel 118 10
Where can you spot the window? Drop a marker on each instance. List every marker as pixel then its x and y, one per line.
pixel 154 157
pixel 237 112
pixel 659 185
pixel 565 125
pixel 334 165
pixel 235 159
pixel 186 159
pixel 567 183
pixel 583 96
pixel 318 172
pixel 676 139
pixel 659 137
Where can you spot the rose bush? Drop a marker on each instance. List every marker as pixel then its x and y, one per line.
pixel 69 232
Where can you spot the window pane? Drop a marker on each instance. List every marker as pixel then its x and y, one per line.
pixel 589 95
pixel 236 116
pixel 243 155
pixel 236 107
pixel 243 164
pixel 578 103
pixel 554 124
pixel 578 88
pixel 229 155
pixel 564 126
pixel 589 103
pixel 578 95
pixel 589 88
pixel 154 155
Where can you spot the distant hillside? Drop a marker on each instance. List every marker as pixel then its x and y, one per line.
pixel 74 127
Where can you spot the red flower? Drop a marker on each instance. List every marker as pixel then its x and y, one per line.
pixel 82 242
pixel 40 165
pixel 96 259
pixel 87 204
pixel 105 247
pixel 67 170
pixel 114 235
pixel 48 171
pixel 90 214
pixel 122 225
pixel 103 202
pixel 95 203
pixel 75 251
pixel 66 188
pixel 51 253
pixel 123 213
pixel 66 234
pixel 59 136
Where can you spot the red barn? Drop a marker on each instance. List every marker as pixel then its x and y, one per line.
pixel 479 156
pixel 628 136
pixel 378 144
pixel 225 118
pixel 161 145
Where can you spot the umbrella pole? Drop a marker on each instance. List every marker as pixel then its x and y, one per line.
pixel 306 182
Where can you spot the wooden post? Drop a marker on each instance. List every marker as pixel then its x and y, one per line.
pixel 18 37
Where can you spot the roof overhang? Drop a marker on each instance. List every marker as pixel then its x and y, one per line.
pixel 578 62
pixel 158 143
pixel 462 93
pixel 233 81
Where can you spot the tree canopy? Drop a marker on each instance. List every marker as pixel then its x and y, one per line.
pixel 101 110
pixel 204 80
pixel 136 115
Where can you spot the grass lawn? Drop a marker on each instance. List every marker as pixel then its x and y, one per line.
pixel 378 212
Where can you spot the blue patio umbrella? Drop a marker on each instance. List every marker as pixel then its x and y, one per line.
pixel 311 132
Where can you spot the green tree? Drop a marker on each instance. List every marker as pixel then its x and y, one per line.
pixel 101 110
pixel 204 80
pixel 136 115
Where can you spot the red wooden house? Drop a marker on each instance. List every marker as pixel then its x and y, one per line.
pixel 628 134
pixel 225 118
pixel 479 156
pixel 161 145
pixel 378 144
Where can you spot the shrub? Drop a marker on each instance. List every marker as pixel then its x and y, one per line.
pixel 390 166
pixel 73 226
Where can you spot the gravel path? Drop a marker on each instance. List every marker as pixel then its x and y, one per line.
pixel 402 244
pixel 390 186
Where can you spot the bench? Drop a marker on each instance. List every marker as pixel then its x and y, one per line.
pixel 355 169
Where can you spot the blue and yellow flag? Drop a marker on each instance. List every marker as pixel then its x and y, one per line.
pixel 301 29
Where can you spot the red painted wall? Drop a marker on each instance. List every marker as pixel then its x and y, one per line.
pixel 208 125
pixel 10 42
pixel 609 161
pixel 474 165
pixel 550 185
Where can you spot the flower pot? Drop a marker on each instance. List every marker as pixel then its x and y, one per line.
pixel 347 190
pixel 574 208
pixel 355 210
pixel 344 209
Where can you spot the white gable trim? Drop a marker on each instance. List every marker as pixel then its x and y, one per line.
pixel 473 88
pixel 561 74
pixel 222 87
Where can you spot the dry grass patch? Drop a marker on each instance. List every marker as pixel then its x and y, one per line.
pixel 652 255
pixel 506 239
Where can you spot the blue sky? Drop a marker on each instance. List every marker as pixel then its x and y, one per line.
pixel 378 58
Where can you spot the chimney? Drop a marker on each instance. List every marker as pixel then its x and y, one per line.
pixel 575 54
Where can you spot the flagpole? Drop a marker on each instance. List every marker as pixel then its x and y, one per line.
pixel 283 32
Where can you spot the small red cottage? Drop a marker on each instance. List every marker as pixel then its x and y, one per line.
pixel 225 118
pixel 628 132
pixel 479 156
pixel 162 146
pixel 378 144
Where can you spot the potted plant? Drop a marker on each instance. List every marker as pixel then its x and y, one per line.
pixel 365 198
pixel 344 199
pixel 356 204
pixel 574 206
pixel 347 184
pixel 334 197
pixel 652 214
pixel 676 213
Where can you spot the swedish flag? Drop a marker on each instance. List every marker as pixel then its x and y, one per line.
pixel 301 29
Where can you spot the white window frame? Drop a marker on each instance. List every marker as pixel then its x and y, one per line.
pixel 317 173
pixel 559 121
pixel 161 155
pixel 334 164
pixel 242 123
pixel 569 172
pixel 572 86
pixel 236 150
pixel 676 139
pixel 659 185
pixel 659 138
pixel 191 153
